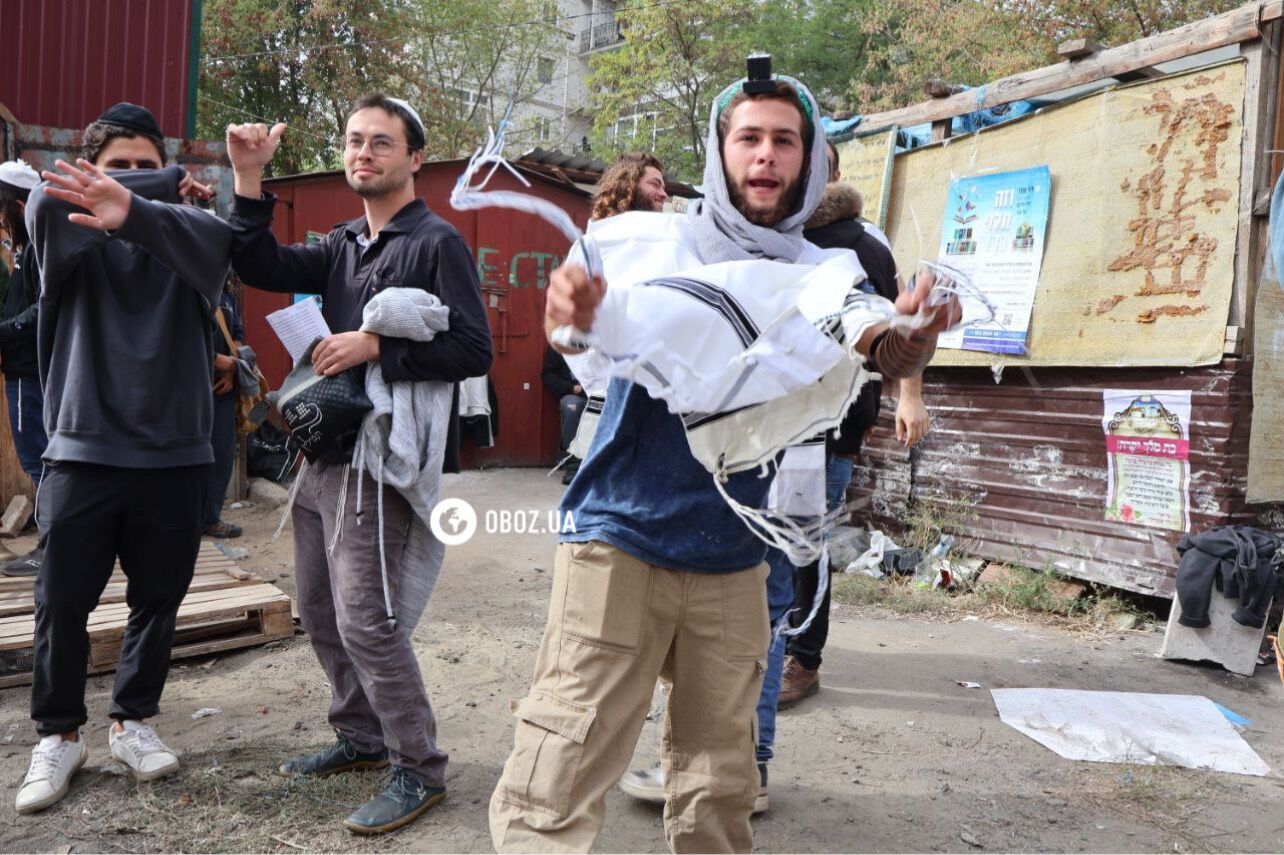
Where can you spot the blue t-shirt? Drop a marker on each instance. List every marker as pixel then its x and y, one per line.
pixel 641 490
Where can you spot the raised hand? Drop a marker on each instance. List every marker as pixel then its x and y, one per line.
pixel 251 146
pixel 89 187
pixel 572 298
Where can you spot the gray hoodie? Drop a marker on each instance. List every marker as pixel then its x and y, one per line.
pixel 125 318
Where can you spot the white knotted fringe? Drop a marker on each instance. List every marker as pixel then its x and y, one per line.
pixel 292 495
pixel 338 510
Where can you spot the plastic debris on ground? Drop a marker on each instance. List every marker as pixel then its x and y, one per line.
pixel 236 553
pixel 205 712
pixel 1237 721
pixel 1130 727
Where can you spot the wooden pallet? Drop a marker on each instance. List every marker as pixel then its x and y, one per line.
pixel 225 608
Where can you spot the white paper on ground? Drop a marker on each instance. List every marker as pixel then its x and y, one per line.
pixel 297 325
pixel 1129 727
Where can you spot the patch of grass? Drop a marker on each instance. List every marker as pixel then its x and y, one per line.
pixel 1024 589
pixel 1020 592
pixel 897 595
pixel 930 517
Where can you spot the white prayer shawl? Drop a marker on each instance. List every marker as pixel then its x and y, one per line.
pixel 755 356
pixel 402 444
pixel 742 350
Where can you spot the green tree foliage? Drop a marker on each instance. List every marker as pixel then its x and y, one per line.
pixel 305 61
pixel 857 55
pixel 654 91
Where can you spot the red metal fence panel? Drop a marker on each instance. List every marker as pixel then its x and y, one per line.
pixel 1023 464
pixel 65 61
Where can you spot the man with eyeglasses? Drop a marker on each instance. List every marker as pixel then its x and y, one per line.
pixel 379 711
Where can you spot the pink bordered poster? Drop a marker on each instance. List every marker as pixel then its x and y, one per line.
pixel 1148 458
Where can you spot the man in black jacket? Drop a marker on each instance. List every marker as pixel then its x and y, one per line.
pixel 380 711
pixel 838 223
pixel 571 400
pixel 128 283
pixel 18 343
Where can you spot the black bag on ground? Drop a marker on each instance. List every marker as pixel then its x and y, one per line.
pixel 323 413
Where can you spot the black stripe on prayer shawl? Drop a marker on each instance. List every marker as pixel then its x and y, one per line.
pixel 717 299
pixel 695 420
pixel 595 404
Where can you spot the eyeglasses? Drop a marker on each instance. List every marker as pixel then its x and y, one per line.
pixel 380 146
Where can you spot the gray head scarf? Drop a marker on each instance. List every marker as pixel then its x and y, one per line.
pixel 722 232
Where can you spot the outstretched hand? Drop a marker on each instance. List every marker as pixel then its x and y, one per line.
pixel 939 317
pixel 105 198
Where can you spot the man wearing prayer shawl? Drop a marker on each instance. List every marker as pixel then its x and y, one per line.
pixel 661 577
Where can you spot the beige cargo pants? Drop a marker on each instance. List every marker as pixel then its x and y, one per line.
pixel 615 624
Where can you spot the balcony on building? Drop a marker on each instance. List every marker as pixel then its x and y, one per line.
pixel 604 34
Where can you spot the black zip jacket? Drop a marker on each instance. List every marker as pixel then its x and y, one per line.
pixel 844 231
pixel 557 376
pixel 18 319
pixel 416 248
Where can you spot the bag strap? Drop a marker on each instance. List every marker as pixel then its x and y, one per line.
pixel 222 324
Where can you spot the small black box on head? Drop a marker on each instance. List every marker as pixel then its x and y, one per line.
pixel 759 74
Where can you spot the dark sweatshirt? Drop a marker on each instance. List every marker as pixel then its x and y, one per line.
pixel 124 327
pixel 1236 560
pixel 18 319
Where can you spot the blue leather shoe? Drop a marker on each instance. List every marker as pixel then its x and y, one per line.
pixel 342 756
pixel 404 799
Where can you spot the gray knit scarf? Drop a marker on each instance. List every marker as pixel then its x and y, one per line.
pixel 722 232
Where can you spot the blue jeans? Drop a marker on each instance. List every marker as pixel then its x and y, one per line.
pixel 27 424
pixel 780 597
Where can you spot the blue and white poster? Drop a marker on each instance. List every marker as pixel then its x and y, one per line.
pixel 993 232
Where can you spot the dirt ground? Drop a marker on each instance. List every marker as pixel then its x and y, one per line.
pixel 892 755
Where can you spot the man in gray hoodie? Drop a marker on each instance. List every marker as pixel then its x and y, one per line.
pixel 129 279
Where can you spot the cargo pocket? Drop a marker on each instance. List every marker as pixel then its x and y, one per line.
pixel 608 595
pixel 549 747
pixel 746 627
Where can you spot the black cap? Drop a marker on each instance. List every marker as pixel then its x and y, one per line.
pixel 132 117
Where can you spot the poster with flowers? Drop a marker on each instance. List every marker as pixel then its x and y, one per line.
pixel 1148 458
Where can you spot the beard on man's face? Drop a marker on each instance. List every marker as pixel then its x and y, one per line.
pixel 769 217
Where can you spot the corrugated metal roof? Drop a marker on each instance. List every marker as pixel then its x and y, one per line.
pixel 1023 465
pixel 65 61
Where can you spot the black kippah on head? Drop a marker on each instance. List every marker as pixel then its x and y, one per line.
pixel 133 118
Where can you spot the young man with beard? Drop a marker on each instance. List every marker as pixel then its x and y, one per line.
pixel 379 711
pixel 660 576
pixel 635 182
pixel 129 281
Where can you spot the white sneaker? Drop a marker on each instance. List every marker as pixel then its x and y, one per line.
pixel 53 761
pixel 139 748
pixel 644 784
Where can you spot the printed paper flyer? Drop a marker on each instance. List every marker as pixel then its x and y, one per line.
pixel 1148 458
pixel 993 232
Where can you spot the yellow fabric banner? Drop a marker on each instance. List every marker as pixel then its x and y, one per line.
pixel 1139 258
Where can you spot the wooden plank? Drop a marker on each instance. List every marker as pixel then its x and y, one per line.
pixel 942 130
pixel 1259 118
pixel 1076 48
pixel 23 603
pixel 1237 25
pixel 270 630
pixel 17 632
